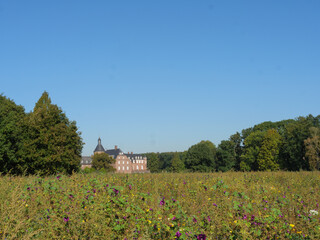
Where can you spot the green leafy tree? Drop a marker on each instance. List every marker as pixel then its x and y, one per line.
pixel 293 151
pixel 177 164
pixel 153 162
pixel 236 139
pixel 12 135
pixel 312 145
pixel 103 161
pixel 201 157
pixel 53 143
pixel 269 151
pixel 226 156
pixel 252 145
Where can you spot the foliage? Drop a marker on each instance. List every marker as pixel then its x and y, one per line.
pixel 43 141
pixel 278 205
pixel 226 156
pixel 201 157
pixel 11 137
pixel 312 145
pixel 252 145
pixel 103 161
pixel 177 164
pixel 269 151
pixel 153 163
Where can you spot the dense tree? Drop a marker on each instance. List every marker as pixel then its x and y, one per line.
pixel 54 143
pixel 312 145
pixel 201 157
pixel 103 161
pixel 293 151
pixel 252 145
pixel 226 156
pixel 11 137
pixel 177 164
pixel 153 163
pixel 237 140
pixel 269 151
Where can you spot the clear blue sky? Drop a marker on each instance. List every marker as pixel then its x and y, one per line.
pixel 163 75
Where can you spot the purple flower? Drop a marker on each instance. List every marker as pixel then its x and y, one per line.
pixel 150 209
pixel 184 182
pixel 252 218
pixel 201 237
pixel 215 205
pixel 194 220
pixel 66 219
pixel 178 234
pixel 58 177
pixel 28 188
pixel 174 218
pixel 130 187
pixel 94 191
pixel 116 191
pixel 162 202
pixel 209 219
pixel 245 217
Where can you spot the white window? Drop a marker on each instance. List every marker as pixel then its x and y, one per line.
pixel 127 168
pixel 127 162
pixel 122 168
pixel 118 168
pixel 141 167
pixel 118 162
pixel 138 167
pixel 122 162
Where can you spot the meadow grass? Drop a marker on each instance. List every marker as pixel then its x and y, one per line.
pixel 260 205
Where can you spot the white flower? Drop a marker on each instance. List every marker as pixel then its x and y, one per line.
pixel 313 212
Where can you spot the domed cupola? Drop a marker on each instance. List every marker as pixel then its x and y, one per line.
pixel 99 148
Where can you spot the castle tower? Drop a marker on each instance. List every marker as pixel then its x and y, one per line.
pixel 99 147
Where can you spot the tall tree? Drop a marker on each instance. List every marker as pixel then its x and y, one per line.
pixel 54 143
pixel 312 145
pixel 177 164
pixel 269 151
pixel 153 163
pixel 201 157
pixel 11 137
pixel 226 156
pixel 252 145
pixel 293 150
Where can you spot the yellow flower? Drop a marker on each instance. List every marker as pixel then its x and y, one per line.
pixel 27 205
pixel 235 221
pixel 292 225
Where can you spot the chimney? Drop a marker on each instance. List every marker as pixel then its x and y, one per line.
pixel 128 153
pixel 115 147
pixel 131 152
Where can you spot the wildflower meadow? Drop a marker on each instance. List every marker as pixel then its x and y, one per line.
pixel 234 205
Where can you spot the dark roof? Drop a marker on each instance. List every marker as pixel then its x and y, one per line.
pixel 99 147
pixel 113 152
pixel 86 160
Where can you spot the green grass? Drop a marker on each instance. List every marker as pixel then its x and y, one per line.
pixel 274 205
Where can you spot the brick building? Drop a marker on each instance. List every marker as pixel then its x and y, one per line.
pixel 125 162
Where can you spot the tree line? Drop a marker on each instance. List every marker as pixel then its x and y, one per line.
pixel 291 145
pixel 42 141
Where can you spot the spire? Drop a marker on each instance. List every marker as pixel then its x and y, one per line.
pixel 99 147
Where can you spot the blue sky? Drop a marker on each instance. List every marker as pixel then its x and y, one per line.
pixel 163 75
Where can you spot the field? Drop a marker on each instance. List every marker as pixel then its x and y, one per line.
pixel 278 205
